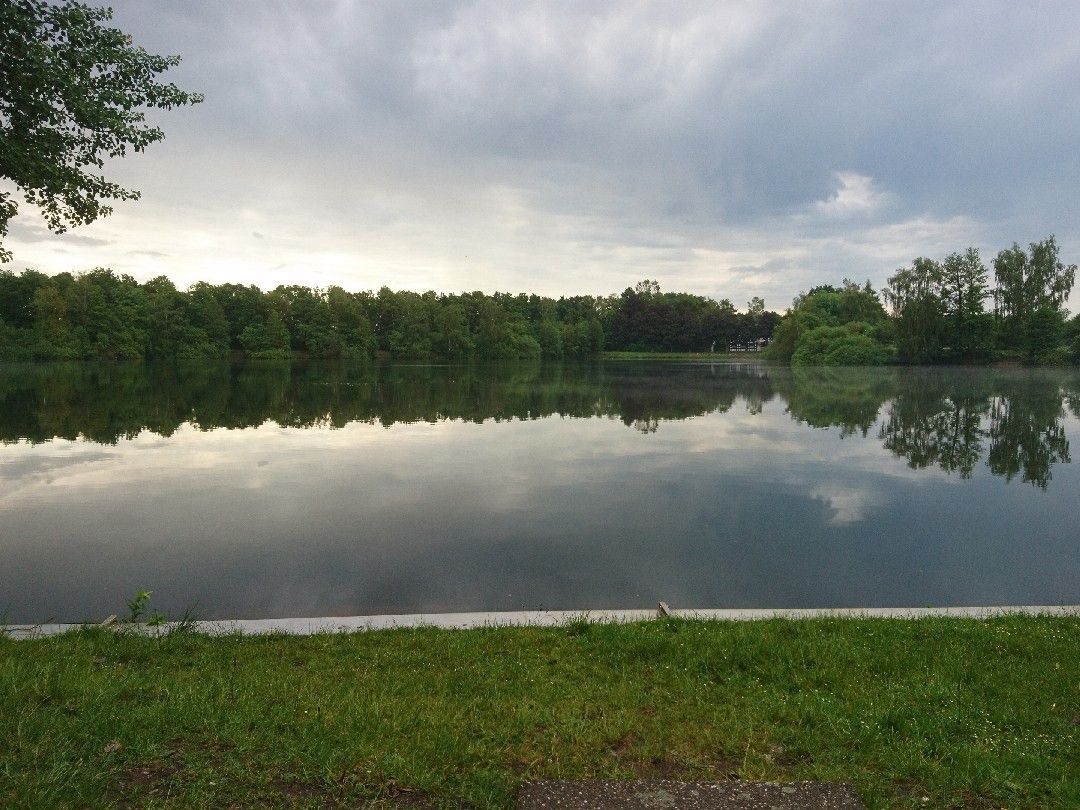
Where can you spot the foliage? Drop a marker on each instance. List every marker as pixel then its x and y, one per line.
pixel 1071 337
pixel 1043 333
pixel 643 318
pixel 851 344
pixel 1032 280
pixel 1030 298
pixel 137 610
pixel 832 325
pixel 940 314
pixel 915 298
pixel 72 94
pixel 963 290
pixel 266 339
pixel 940 311
pixel 99 315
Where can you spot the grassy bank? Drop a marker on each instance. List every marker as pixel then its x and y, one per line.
pixel 961 712
pixel 680 355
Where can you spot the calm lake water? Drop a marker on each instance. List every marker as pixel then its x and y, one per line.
pixel 304 489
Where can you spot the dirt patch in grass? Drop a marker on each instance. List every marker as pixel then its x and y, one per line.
pixel 622 746
pixel 137 783
pixel 660 767
pixel 627 751
pixel 297 790
pixel 908 793
pixel 411 798
pixel 979 801
pixel 784 758
pixel 146 780
pixel 725 767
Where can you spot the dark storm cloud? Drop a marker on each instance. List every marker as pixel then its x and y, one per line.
pixel 731 149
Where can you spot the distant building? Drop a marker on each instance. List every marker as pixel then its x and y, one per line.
pixel 755 345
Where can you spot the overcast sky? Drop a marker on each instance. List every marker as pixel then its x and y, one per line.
pixel 728 149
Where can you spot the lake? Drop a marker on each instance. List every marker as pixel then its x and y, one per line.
pixel 274 489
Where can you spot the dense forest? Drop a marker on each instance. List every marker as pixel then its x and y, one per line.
pixel 943 311
pixel 105 316
pixel 938 313
pixel 1012 420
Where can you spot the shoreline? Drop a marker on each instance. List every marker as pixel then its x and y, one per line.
pixel 724 356
pixel 317 625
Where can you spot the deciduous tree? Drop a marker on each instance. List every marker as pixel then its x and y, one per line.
pixel 73 93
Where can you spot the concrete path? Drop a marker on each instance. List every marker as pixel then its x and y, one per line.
pixel 551 618
pixel 665 795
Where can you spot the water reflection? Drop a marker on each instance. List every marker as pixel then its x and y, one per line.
pixel 312 489
pixel 949 419
pixel 952 420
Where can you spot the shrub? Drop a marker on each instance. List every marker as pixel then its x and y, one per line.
pixel 847 345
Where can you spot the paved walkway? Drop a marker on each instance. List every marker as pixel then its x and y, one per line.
pixel 665 795
pixel 548 618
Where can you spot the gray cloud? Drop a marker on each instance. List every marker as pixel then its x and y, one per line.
pixel 27 230
pixel 731 149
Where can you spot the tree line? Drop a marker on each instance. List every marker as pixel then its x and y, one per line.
pixel 941 311
pixel 104 316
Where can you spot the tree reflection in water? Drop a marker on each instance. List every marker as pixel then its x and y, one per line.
pixel 950 419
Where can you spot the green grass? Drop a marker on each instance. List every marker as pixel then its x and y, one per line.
pixel 680 355
pixel 961 712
